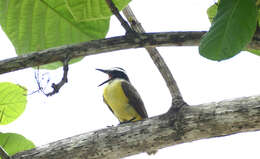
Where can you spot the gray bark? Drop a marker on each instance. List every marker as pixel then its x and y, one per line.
pixel 155 56
pixel 190 38
pixel 189 124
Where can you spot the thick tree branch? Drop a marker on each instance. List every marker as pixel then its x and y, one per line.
pixel 157 58
pixel 189 38
pixel 98 46
pixel 191 123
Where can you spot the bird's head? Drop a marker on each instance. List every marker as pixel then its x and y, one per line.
pixel 113 73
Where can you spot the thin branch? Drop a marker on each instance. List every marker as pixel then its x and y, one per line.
pixel 4 154
pixel 189 38
pixel 191 123
pixel 115 11
pixel 157 59
pixel 57 87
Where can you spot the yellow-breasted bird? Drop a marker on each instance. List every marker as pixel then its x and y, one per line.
pixel 121 97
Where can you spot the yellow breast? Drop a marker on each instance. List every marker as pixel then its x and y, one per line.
pixel 116 99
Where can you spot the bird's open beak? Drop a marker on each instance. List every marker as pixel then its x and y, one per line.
pixel 101 70
pixel 107 72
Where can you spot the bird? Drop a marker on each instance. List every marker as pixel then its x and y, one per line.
pixel 121 97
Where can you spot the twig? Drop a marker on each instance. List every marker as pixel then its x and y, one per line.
pixel 157 59
pixel 40 88
pixel 4 154
pixel 115 11
pixel 36 76
pixel 56 87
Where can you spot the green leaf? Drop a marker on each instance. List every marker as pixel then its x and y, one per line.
pixel 34 25
pixel 14 143
pixel 13 99
pixel 231 30
pixel 85 10
pixel 212 11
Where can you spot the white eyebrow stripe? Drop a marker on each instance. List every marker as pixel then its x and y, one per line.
pixel 118 69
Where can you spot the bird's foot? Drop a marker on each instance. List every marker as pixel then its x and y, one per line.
pixel 124 122
pixel 110 126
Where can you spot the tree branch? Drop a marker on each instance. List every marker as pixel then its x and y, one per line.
pixel 157 59
pixel 115 11
pixel 97 46
pixel 189 38
pixel 57 87
pixel 4 154
pixel 191 123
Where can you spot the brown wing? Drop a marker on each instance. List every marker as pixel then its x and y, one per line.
pixel 134 99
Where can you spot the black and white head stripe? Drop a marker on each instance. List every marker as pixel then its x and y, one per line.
pixel 118 69
pixel 114 73
pixel 118 72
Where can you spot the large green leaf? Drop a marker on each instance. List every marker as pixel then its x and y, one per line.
pixel 85 10
pixel 14 143
pixel 34 25
pixel 231 30
pixel 13 99
pixel 212 11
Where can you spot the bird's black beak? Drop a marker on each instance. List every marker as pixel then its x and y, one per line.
pixel 101 70
pixel 107 72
